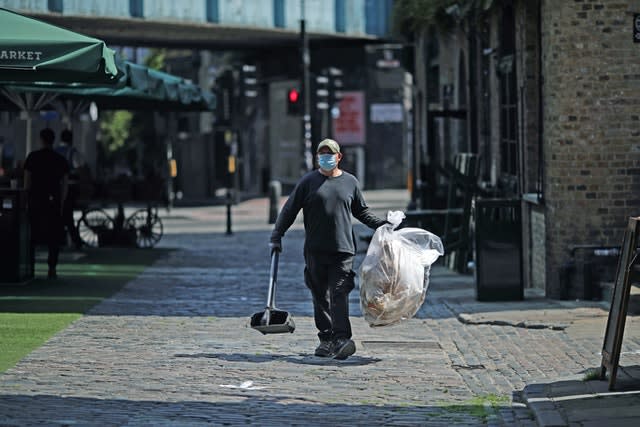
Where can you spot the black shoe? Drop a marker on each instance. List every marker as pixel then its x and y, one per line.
pixel 52 274
pixel 324 349
pixel 343 348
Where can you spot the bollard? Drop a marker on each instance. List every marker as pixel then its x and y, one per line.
pixel 229 232
pixel 275 191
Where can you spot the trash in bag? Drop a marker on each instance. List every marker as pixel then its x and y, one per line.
pixel 394 274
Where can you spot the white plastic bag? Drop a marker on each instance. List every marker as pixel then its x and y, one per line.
pixel 394 275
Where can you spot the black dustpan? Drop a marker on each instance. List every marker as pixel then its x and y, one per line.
pixel 272 320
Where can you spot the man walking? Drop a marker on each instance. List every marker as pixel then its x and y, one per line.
pixel 328 197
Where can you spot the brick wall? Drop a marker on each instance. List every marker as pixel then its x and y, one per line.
pixel 591 70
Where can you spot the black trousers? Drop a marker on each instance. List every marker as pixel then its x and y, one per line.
pixel 67 215
pixel 330 278
pixel 53 255
pixel 46 227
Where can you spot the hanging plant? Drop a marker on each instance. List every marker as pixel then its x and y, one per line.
pixel 410 16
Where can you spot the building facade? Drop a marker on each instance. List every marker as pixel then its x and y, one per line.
pixel 547 95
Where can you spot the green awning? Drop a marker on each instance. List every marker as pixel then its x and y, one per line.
pixel 139 87
pixel 32 50
pixel 144 88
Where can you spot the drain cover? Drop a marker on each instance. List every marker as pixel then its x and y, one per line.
pixel 405 345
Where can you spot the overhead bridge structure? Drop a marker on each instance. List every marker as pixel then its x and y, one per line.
pixel 217 24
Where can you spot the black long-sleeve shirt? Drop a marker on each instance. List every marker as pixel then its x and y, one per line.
pixel 327 204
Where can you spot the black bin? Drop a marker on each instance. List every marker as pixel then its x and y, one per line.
pixel 498 250
pixel 16 254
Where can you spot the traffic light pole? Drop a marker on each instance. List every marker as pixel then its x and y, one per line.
pixel 306 96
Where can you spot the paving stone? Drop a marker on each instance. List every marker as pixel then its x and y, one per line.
pixel 174 348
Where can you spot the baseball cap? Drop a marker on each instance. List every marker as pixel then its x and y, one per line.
pixel 330 144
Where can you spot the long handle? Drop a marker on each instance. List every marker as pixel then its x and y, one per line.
pixel 273 278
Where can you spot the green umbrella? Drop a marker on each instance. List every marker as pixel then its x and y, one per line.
pixel 32 50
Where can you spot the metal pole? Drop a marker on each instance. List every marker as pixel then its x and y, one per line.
pixel 306 96
pixel 233 178
pixel 413 158
pixel 29 133
pixel 236 166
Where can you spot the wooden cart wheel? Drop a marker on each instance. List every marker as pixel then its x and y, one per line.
pixel 92 222
pixel 148 227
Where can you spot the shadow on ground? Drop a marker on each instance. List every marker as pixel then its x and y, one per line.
pixel 300 359
pixel 83 280
pixel 246 407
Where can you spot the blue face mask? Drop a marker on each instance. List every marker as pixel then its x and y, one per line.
pixel 327 162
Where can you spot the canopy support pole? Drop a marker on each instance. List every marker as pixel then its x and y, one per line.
pixel 28 120
pixel 27 106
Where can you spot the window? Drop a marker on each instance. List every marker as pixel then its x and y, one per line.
pixel 433 68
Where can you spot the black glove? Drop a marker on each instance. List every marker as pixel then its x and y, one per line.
pixel 275 245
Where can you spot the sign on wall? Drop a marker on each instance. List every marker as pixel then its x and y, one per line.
pixel 636 28
pixel 349 126
pixel 386 113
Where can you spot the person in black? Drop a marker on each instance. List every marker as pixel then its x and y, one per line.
pixel 71 154
pixel 45 178
pixel 328 197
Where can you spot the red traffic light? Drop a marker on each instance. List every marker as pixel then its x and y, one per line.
pixel 294 102
pixel 293 95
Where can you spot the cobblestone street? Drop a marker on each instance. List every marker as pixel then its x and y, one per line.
pixel 174 346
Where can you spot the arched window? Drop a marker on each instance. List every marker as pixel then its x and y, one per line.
pixel 508 98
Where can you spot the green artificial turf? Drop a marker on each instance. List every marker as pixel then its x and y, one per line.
pixel 21 333
pixel 31 313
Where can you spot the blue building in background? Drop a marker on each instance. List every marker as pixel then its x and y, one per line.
pixel 353 18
